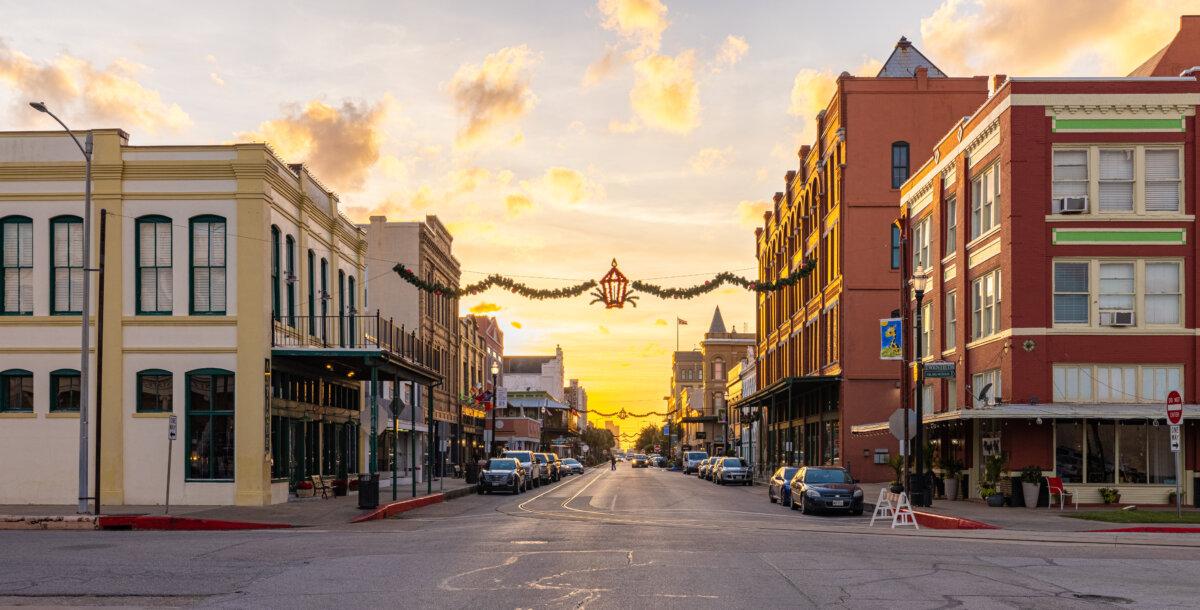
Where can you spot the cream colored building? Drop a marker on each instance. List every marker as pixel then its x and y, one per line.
pixel 230 298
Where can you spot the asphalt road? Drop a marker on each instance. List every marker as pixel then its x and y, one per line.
pixel 624 539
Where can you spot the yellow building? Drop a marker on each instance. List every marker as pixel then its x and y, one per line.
pixel 230 290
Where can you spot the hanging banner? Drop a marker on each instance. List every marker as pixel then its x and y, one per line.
pixel 891 339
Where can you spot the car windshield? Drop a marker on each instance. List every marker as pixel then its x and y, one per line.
pixel 826 476
pixel 502 465
pixel 523 456
pixel 697 455
pixel 788 473
pixel 541 459
pixel 639 457
pixel 734 463
pixel 571 461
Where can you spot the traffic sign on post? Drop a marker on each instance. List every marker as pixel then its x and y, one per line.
pixel 172 427
pixel 1174 408
pixel 896 423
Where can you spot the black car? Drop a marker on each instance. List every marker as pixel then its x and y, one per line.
pixel 502 474
pixel 826 488
pixel 639 460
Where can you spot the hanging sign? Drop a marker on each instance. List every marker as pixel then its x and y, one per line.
pixel 891 339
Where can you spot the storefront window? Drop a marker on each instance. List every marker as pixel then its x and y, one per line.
pixel 1068 451
pixel 210 425
pixel 1101 451
pixel 1160 458
pixel 1133 453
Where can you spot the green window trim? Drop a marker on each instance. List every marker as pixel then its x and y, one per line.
pixel 170 383
pixel 341 308
pixel 23 271
pixel 211 414
pixel 290 280
pixel 1160 124
pixel 194 269
pixel 312 295
pixel 56 379
pixel 141 224
pixel 69 267
pixel 276 306
pixel 6 379
pixel 1167 237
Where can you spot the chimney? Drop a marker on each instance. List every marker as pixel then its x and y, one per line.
pixel 378 219
pixel 922 75
pixel 997 81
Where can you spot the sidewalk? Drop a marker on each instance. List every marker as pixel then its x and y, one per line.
pixel 296 512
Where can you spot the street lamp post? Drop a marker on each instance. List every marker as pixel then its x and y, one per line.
pixel 495 404
pixel 921 490
pixel 86 310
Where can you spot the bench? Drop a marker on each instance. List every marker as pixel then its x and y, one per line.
pixel 321 486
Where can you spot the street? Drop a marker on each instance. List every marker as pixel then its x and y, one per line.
pixel 623 539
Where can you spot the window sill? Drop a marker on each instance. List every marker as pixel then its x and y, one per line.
pixel 63 415
pixel 999 336
pixel 18 415
pixel 982 237
pixel 152 414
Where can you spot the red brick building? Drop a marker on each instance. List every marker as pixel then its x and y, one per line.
pixel 819 371
pixel 1057 226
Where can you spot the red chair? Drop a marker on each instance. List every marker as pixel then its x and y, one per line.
pixel 1055 485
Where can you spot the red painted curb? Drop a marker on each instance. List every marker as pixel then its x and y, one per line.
pixel 1152 530
pixel 167 522
pixel 942 522
pixel 395 508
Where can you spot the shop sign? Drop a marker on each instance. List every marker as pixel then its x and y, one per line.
pixel 891 339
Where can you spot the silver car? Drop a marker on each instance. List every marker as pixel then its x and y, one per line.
pixel 533 470
pixel 732 470
pixel 572 466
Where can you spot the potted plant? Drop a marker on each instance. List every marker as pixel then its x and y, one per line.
pixel 993 466
pixel 353 484
pixel 896 463
pixel 951 469
pixel 991 494
pixel 1109 495
pixel 1031 485
pixel 1171 497
pixel 304 486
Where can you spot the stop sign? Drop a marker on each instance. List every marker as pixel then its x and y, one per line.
pixel 1174 408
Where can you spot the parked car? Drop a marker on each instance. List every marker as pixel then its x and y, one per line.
pixel 572 466
pixel 692 459
pixel 732 470
pixel 549 472
pixel 639 460
pixel 826 488
pixel 705 468
pixel 559 468
pixel 779 488
pixel 658 461
pixel 533 470
pixel 502 474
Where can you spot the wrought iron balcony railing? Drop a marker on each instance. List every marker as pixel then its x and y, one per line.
pixel 352 332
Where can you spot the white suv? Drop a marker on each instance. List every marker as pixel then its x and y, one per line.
pixel 692 459
pixel 532 468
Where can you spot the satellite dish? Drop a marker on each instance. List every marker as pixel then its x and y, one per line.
pixel 984 392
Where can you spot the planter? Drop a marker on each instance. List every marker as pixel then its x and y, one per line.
pixel 995 500
pixel 1030 491
pixel 896 488
pixel 951 489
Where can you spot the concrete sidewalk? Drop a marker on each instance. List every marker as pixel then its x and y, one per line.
pixel 296 512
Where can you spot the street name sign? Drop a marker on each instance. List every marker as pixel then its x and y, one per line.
pixel 1174 408
pixel 939 369
pixel 896 423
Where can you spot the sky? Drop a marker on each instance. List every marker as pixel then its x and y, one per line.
pixel 550 137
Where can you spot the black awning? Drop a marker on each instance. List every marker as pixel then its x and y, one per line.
pixel 781 387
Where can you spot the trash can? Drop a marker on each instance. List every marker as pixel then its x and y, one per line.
pixel 368 490
pixel 472 473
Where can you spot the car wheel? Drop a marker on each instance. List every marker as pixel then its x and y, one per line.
pixel 857 512
pixel 792 504
pixel 770 496
pixel 804 509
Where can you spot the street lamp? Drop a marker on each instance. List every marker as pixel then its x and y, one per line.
pixel 919 282
pixel 86 149
pixel 495 405
pixel 748 416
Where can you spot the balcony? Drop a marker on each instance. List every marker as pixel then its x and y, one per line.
pixel 352 338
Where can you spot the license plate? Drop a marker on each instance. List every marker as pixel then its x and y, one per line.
pixel 838 503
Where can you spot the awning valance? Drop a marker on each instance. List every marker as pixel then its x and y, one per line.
pixel 781 387
pixel 1058 410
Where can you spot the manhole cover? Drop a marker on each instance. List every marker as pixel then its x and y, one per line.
pixel 1104 599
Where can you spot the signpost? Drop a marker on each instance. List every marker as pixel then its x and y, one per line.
pixel 172 431
pixel 1175 417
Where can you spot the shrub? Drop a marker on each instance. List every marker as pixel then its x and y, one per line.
pixel 1031 474
pixel 1109 495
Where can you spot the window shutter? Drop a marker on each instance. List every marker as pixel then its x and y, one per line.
pixel 1162 180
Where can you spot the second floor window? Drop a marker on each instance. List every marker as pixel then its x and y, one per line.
pixel 16 264
pixel 985 305
pixel 920 244
pixel 951 308
pixel 154 277
pixel 899 164
pixel 66 265
pixel 1118 293
pixel 276 260
pixel 208 265
pixel 951 211
pixel 985 201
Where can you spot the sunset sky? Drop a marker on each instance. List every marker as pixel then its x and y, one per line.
pixel 550 137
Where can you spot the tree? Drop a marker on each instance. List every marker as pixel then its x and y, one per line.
pixel 599 441
pixel 649 436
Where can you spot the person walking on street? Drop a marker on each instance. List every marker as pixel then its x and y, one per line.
pixel 613 460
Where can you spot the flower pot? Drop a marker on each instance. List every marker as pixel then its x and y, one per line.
pixel 951 489
pixel 896 488
pixel 1030 491
pixel 995 500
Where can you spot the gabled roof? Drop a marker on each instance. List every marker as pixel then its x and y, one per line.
pixel 1182 53
pixel 905 60
pixel 718 323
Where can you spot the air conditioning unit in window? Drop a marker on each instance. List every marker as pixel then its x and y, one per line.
pixel 1070 205
pixel 1116 317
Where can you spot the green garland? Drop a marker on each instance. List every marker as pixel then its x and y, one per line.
pixel 725 278
pixel 490 281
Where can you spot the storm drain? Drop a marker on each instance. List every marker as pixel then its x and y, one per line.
pixel 1102 599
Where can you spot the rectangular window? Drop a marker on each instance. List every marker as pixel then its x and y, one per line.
pixel 1162 180
pixel 1073 383
pixel 16 264
pixel 951 312
pixel 1116 179
pixel 985 305
pixel 1068 450
pixel 1158 381
pixel 980 383
pixel 951 211
pixel 927 399
pixel 1116 383
pixel 895 247
pixel 951 394
pixel 900 164
pixel 154 287
pixel 210 425
pixel 1160 460
pixel 154 392
pixel 1117 292
pixel 1072 303
pixel 985 201
pixel 926 330
pixel 290 280
pixel 1132 439
pixel 16 391
pixel 312 295
pixel 66 262
pixel 1164 293
pixel 1101 451
pixel 276 268
pixel 64 391
pixel 208 265
pixel 1070 173
pixel 920 243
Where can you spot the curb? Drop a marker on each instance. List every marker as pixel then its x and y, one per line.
pixel 58 522
pixel 169 523
pixel 1150 529
pixel 395 508
pixel 942 522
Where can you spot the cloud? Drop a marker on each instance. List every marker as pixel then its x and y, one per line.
pixel 338 144
pixel 731 51
pixel 750 213
pixel 517 204
pixel 1033 37
pixel 494 94
pixel 557 185
pixel 73 87
pixel 566 184
pixel 516 324
pixel 660 322
pixel 641 22
pixel 709 160
pixel 216 78
pixel 813 89
pixel 629 126
pixel 604 67
pixel 484 307
pixel 665 94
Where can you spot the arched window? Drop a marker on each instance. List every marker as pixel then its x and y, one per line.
pixel 153 276
pixel 16 265
pixel 64 390
pixel 210 406
pixel 899 164
pixel 16 391
pixel 290 280
pixel 276 256
pixel 155 391
pixel 207 247
pixel 718 369
pixel 312 294
pixel 66 265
